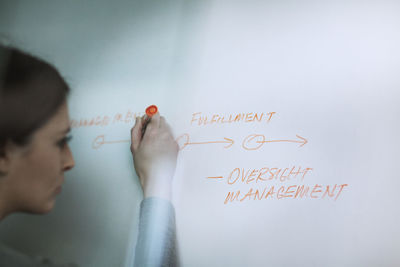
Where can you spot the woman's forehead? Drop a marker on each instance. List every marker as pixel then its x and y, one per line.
pixel 58 124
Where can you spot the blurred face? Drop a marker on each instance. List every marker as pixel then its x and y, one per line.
pixel 36 171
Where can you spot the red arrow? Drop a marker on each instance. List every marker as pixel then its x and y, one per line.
pixel 227 140
pixel 303 141
pixel 183 141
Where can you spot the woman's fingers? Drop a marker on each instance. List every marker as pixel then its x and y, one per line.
pixel 154 123
pixel 136 134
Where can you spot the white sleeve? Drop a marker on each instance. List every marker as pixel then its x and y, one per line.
pixel 156 243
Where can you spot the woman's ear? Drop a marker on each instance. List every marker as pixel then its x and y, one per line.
pixel 4 160
pixel 3 166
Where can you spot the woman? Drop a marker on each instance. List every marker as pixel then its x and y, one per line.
pixel 34 154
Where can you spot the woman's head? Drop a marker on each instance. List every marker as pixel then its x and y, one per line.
pixel 33 127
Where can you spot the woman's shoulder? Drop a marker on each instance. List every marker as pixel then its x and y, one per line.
pixel 10 257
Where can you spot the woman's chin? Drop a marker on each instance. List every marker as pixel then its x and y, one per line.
pixel 43 209
pixel 49 207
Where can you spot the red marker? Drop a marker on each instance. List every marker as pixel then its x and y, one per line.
pixel 150 111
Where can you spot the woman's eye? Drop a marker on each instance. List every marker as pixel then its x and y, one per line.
pixel 63 142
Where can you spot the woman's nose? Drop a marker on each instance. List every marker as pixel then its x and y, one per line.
pixel 69 162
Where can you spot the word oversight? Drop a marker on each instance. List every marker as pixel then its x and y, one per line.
pixel 283 192
pixel 266 174
pixel 199 119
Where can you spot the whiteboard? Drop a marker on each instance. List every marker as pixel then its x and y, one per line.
pixel 286 114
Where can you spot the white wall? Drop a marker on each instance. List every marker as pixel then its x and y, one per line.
pixel 328 69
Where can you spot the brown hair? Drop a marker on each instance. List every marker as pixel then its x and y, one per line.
pixel 31 91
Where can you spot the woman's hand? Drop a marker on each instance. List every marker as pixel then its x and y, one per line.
pixel 154 156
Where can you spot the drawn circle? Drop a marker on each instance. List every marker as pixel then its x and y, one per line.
pixel 183 141
pixel 253 141
pixel 98 142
